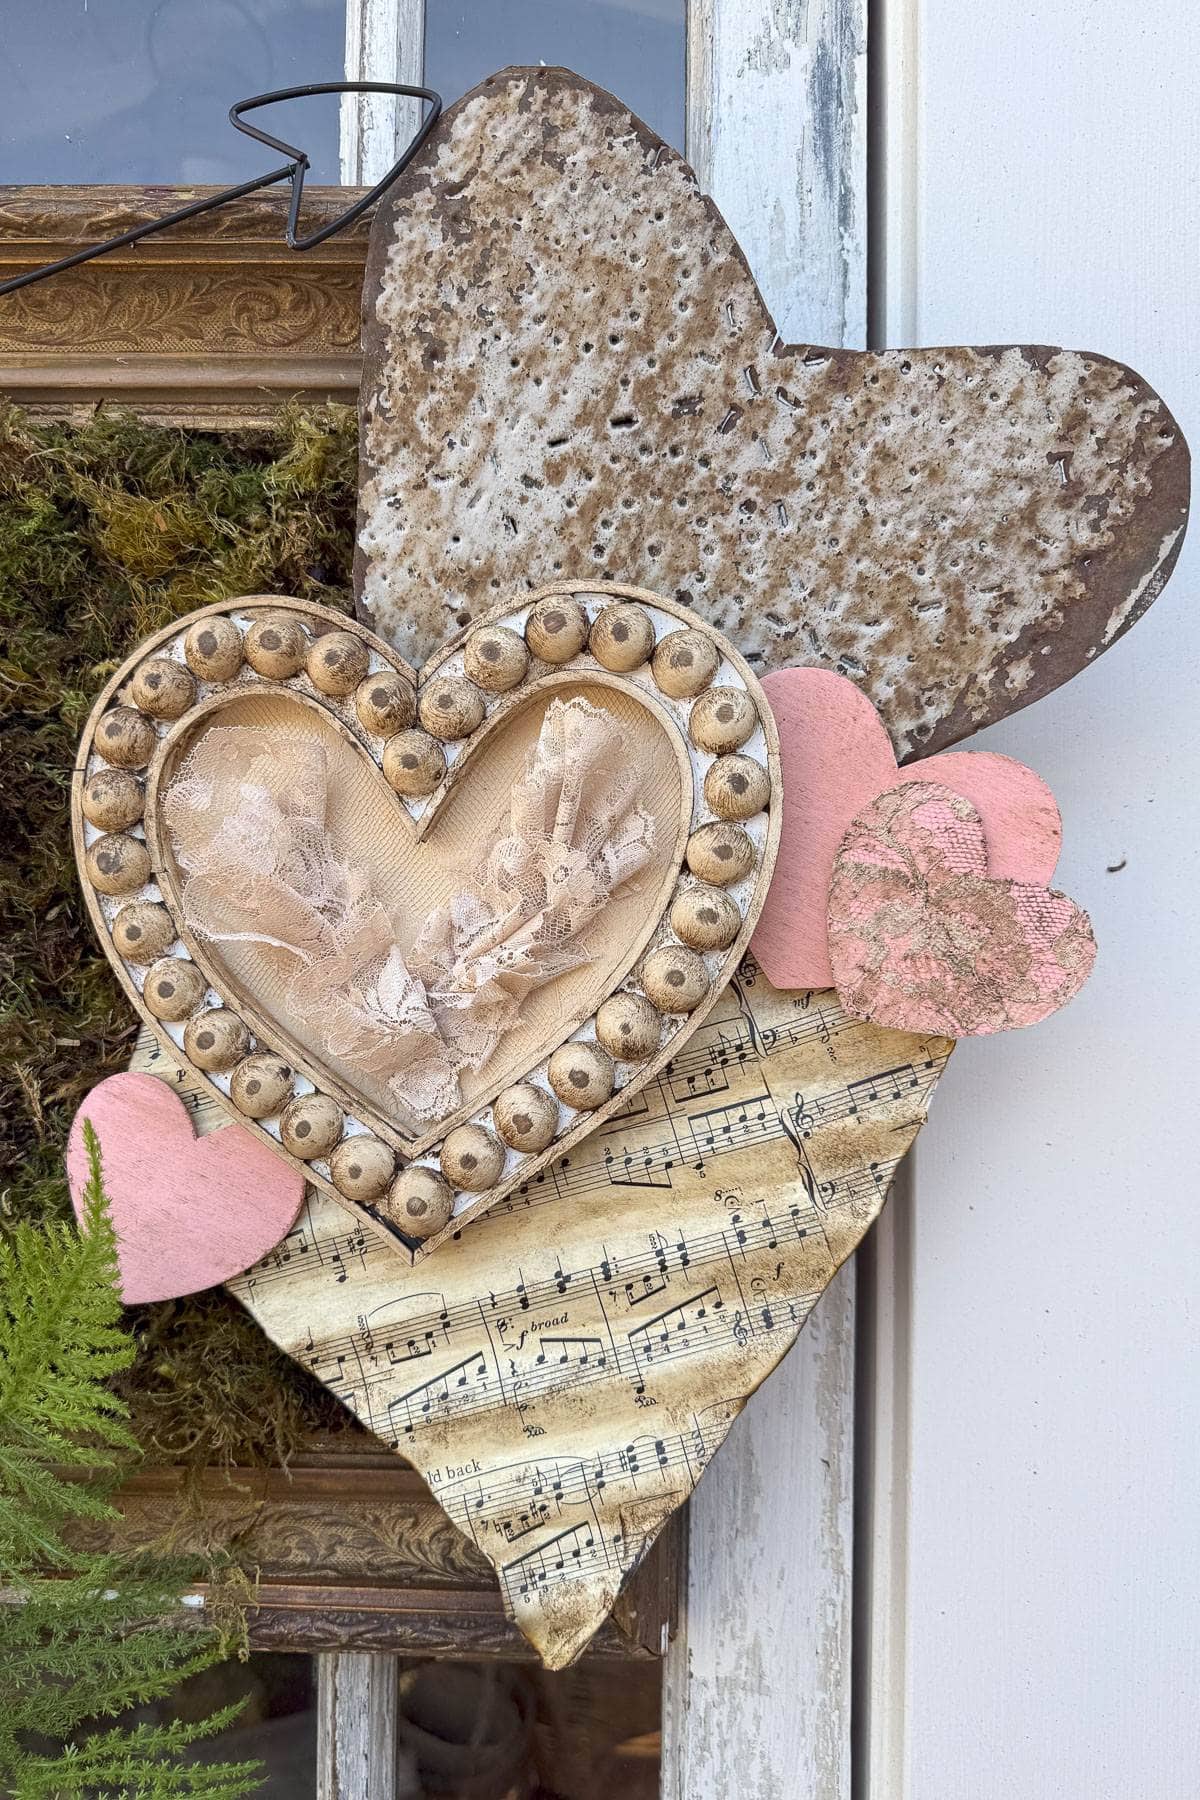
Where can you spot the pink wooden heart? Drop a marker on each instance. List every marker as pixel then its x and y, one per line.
pixel 922 939
pixel 836 757
pixel 189 1212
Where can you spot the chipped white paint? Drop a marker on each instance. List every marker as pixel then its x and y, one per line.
pixel 356 1730
pixel 757 1693
pixel 1033 1579
pixel 385 41
pixel 776 131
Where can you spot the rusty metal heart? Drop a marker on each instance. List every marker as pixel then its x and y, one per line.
pixel 568 365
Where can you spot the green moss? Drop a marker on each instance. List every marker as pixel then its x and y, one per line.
pixel 107 531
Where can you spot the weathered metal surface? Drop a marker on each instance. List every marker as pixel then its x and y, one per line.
pixel 569 371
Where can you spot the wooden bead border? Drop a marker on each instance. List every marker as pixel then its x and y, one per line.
pixel 420 730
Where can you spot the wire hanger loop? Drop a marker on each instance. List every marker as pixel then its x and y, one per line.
pixel 292 171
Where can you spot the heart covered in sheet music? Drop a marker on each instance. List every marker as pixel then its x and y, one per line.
pixel 563 1372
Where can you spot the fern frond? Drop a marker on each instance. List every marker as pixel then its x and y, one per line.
pixel 140 1762
pixel 60 1343
pixel 76 1647
pixel 84 1634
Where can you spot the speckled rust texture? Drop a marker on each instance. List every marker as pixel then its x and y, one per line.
pixel 570 372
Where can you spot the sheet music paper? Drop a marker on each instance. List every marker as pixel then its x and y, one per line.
pixel 562 1372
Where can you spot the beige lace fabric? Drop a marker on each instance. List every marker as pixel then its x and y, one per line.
pixel 246 815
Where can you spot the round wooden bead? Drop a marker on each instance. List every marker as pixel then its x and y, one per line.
pixel 124 737
pixel 361 1167
pixel 629 1027
pixel 419 1203
pixel 216 1039
pixel 261 1085
pixel 471 1159
pixel 684 663
pixel 414 763
pixel 622 637
pixel 582 1075
pixel 720 854
pixel 113 799
pixel 118 864
pixel 163 688
pixel 526 1117
pixel 450 707
pixel 310 1126
pixel 722 720
pixel 213 648
pixel 276 648
pixel 736 787
pixel 385 703
pixel 675 979
pixel 496 659
pixel 143 932
pixel 557 629
pixel 173 988
pixel 704 918
pixel 337 662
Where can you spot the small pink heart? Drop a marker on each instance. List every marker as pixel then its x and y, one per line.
pixel 836 757
pixel 189 1212
pixel 921 939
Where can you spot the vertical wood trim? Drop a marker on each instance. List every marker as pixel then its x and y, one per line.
pixel 776 130
pixel 895 206
pixel 757 1680
pixel 356 1726
pixel 883 1460
pixel 699 98
pixel 883 1456
pixel 757 1695
pixel 385 41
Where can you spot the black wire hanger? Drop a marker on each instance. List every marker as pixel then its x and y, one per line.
pixel 293 171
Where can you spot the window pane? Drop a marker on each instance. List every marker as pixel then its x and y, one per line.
pixel 138 90
pixel 633 47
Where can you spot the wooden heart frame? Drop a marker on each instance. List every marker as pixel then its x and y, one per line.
pixel 139 728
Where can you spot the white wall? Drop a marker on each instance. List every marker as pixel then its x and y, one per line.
pixel 1043 184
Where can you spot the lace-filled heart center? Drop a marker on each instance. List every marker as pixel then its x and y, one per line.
pixel 421 976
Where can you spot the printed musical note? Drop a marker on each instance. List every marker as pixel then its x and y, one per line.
pixel 439 1393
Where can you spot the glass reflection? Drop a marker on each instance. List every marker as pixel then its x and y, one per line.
pixel 138 90
pixel 636 48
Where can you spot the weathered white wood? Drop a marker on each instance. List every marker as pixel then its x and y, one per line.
pixel 1034 1628
pixel 776 130
pixel 356 1728
pixel 757 1694
pixel 758 1677
pixel 881 1482
pixel 385 41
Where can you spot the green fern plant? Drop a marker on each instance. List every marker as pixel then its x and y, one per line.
pixel 84 1635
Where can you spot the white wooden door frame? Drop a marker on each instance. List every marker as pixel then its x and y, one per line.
pixel 758 1679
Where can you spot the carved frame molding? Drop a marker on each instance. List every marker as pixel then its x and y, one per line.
pixel 215 323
